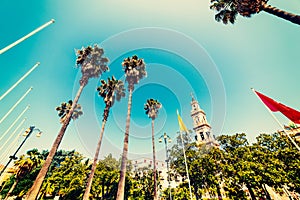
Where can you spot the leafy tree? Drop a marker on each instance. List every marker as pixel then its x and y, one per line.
pixel 135 70
pixel 152 106
pixel 109 91
pixel 105 182
pixel 227 10
pixel 92 64
pixel 68 180
pixel 24 165
pixel 142 184
pixel 285 157
pixel 49 185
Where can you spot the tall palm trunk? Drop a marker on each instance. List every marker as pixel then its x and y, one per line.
pixel 11 189
pixel 154 161
pixel 219 192
pixel 282 14
pixel 266 191
pixel 121 185
pixel 251 191
pixel 34 190
pixel 90 179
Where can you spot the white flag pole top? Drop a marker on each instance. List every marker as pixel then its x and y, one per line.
pixel 20 80
pixel 26 36
pixel 20 115
pixel 14 106
pixel 11 135
pixel 281 126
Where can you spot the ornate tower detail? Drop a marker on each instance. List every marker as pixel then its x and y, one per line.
pixel 200 124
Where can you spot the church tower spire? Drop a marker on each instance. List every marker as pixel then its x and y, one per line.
pixel 200 124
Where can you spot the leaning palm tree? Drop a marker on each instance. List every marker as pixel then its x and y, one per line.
pixel 152 106
pixel 92 63
pixel 110 91
pixel 227 10
pixel 135 70
pixel 25 164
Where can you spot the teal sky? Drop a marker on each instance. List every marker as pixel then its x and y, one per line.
pixel 185 50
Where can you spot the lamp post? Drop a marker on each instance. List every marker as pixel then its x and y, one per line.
pixel 167 139
pixel 27 134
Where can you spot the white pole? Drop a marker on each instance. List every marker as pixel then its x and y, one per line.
pixel 26 36
pixel 186 167
pixel 279 124
pixel 19 81
pixel 20 115
pixel 11 135
pixel 14 106
pixel 10 147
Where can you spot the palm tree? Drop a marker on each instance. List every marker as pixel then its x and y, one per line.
pixel 109 91
pixel 228 10
pixel 92 63
pixel 25 164
pixel 65 108
pixel 152 106
pixel 135 69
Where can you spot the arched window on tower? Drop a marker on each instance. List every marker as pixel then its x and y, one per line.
pixel 202 136
pixel 208 134
pixel 197 120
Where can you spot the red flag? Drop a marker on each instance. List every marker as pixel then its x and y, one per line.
pixel 275 106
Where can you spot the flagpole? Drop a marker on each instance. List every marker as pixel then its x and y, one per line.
pixel 20 115
pixel 14 106
pixel 12 134
pixel 186 167
pixel 291 139
pixel 26 36
pixel 21 79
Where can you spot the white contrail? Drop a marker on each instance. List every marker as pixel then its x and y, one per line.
pixel 20 115
pixel 26 36
pixel 14 106
pixel 19 81
pixel 11 135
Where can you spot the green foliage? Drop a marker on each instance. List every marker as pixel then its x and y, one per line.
pixel 142 184
pixel 67 180
pixel 238 166
pixel 233 168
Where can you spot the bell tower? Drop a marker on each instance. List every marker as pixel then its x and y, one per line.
pixel 200 125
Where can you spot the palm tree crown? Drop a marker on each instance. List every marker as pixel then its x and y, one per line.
pixel 65 108
pixel 92 62
pixel 135 69
pixel 111 90
pixel 152 107
pixel 227 10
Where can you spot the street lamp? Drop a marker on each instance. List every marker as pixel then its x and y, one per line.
pixel 27 134
pixel 167 139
